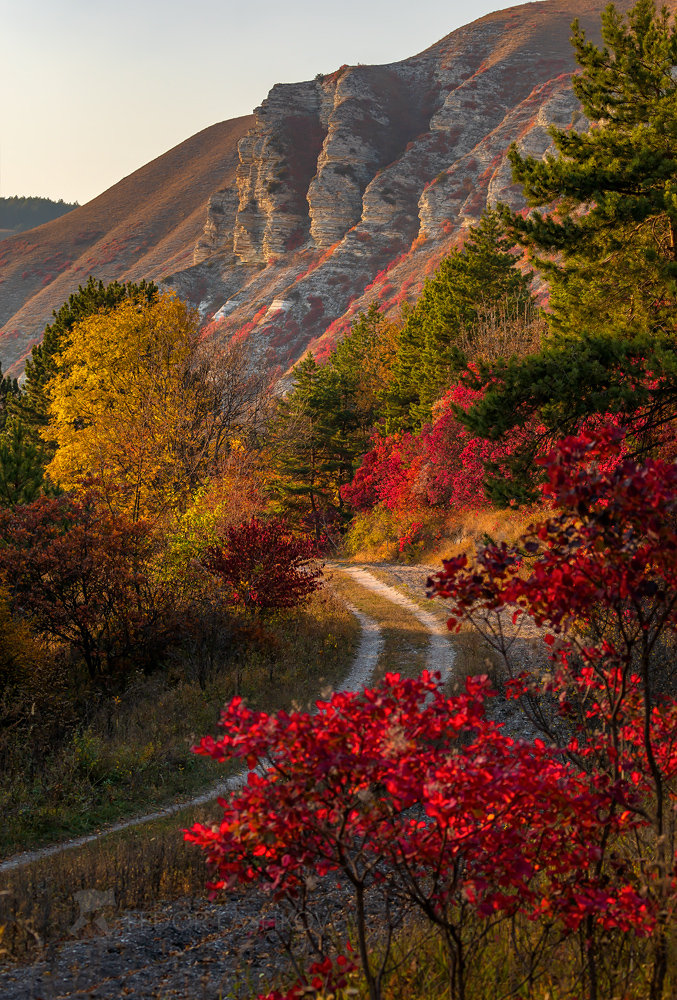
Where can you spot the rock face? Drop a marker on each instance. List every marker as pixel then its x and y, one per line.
pixel 343 190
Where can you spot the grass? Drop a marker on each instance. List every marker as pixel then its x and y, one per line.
pixel 134 752
pixel 473 656
pixel 439 533
pixel 142 865
pixel 405 639
pixel 511 960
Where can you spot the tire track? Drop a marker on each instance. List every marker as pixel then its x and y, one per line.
pixel 440 650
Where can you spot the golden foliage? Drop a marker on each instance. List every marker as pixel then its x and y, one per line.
pixel 121 401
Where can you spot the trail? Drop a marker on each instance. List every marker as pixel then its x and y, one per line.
pixel 364 664
pixel 440 657
pixel 440 650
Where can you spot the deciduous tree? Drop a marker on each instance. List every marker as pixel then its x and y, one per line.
pixel 86 578
pixel 141 404
pixel 264 567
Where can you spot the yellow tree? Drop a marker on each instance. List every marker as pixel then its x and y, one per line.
pixel 139 404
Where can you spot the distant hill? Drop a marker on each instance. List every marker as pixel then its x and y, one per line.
pixel 146 225
pixel 18 214
pixel 336 193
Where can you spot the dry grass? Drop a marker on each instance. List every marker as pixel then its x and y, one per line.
pixel 464 530
pixel 142 865
pixel 441 533
pixel 148 864
pixel 134 752
pixel 474 657
pixel 405 639
pixel 502 966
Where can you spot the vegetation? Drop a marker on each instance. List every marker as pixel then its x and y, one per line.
pixel 163 517
pixel 77 755
pixel 431 814
pixel 19 213
pixel 607 248
pixel 467 284
pixel 130 464
pixel 320 430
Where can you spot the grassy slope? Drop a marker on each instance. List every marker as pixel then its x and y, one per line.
pixel 135 754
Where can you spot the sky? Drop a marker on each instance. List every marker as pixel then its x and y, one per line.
pixel 90 90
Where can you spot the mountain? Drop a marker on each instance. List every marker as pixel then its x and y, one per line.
pixel 283 225
pixel 146 225
pixel 18 214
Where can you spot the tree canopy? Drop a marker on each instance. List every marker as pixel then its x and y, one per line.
pixel 479 275
pixel 135 404
pixel 606 245
pixel 607 241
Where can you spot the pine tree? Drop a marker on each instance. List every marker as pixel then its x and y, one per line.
pixel 297 450
pixel 22 471
pixel 478 276
pixel 608 247
pixel 322 427
pixel 607 244
pixel 9 393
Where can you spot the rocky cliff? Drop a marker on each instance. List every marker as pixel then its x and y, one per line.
pixel 341 191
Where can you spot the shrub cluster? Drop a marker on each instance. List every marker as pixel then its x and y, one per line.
pixel 425 806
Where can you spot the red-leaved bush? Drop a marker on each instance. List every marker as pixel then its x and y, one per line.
pixel 443 465
pixel 418 802
pixel 84 577
pixel 599 577
pixel 264 567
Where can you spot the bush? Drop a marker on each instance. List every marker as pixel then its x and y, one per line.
pixel 424 806
pixel 85 579
pixel 263 567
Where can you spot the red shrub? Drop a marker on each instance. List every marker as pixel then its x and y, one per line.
pixel 264 567
pixel 441 466
pixel 84 577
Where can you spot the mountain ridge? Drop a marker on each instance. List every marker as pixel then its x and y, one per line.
pixel 335 193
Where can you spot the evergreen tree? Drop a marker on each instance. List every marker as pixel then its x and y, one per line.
pixel 298 450
pixel 22 470
pixel 9 393
pixel 608 244
pixel 478 276
pixel 608 248
pixel 322 427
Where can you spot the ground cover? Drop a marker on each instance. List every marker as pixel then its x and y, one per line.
pixel 134 753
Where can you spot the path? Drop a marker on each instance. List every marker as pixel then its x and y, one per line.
pixel 364 664
pixel 192 947
pixel 440 650
pixel 440 657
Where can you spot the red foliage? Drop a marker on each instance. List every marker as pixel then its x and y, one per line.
pixel 441 466
pixel 245 330
pixel 406 791
pixel 83 576
pixel 411 794
pixel 601 574
pixel 264 566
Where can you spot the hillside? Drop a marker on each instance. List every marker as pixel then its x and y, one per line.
pixel 144 226
pixel 17 214
pixel 339 191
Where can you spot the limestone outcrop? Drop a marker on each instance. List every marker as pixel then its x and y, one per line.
pixel 351 188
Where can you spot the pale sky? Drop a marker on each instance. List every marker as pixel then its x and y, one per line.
pixel 92 90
